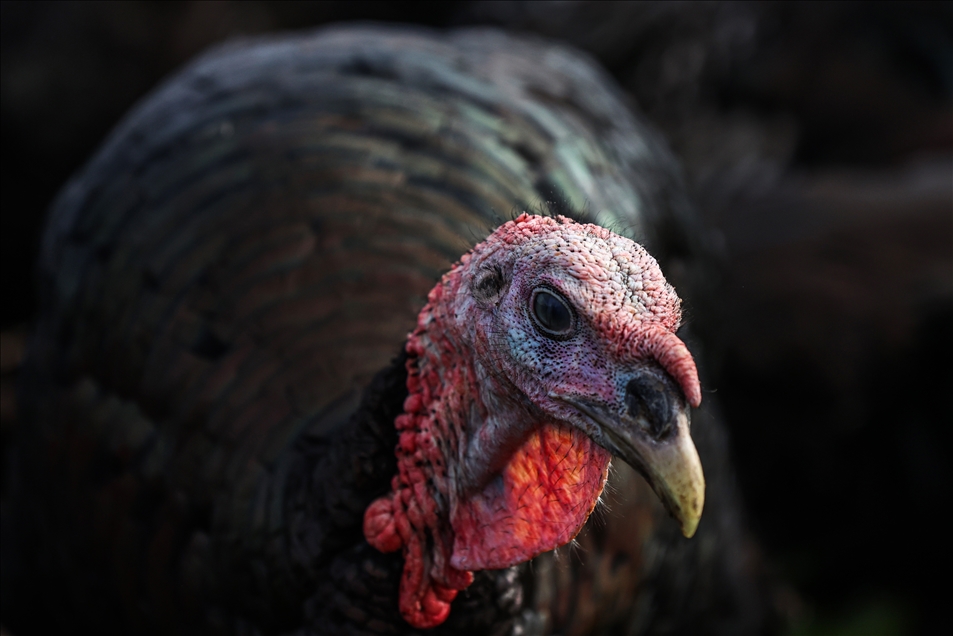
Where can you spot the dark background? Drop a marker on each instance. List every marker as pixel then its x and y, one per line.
pixel 817 141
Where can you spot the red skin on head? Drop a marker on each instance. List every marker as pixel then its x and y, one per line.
pixel 489 473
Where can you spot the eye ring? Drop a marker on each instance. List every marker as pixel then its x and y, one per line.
pixel 552 314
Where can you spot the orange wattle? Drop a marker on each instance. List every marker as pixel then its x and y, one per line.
pixel 539 502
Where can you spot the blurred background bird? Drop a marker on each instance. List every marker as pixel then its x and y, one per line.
pixel 816 142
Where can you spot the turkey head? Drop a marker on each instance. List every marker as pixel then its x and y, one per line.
pixel 546 350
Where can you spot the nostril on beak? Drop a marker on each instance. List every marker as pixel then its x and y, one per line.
pixel 649 397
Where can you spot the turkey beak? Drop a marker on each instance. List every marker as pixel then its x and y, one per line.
pixel 652 435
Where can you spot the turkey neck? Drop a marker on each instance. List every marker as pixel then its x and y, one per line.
pixel 477 418
pixel 484 480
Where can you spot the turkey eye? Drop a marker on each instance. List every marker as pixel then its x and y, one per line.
pixel 551 313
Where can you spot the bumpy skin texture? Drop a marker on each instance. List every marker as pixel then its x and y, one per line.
pixel 492 472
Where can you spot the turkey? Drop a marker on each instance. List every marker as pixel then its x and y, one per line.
pixel 231 430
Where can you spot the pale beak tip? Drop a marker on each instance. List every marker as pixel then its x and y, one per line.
pixel 690 525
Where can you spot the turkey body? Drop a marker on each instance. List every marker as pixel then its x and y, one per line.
pixel 226 288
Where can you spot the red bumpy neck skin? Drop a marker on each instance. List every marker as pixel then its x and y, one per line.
pixel 489 473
